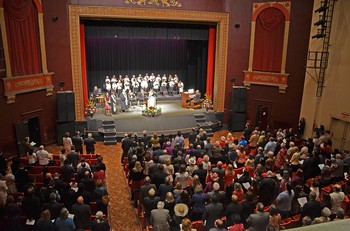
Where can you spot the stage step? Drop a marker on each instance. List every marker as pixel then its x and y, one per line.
pixel 203 123
pixel 109 132
pixel 199 116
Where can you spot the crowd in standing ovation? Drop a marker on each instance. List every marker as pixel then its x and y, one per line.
pixel 254 182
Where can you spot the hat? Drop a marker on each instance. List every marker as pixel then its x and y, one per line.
pixel 192 161
pixel 181 210
pixel 215 176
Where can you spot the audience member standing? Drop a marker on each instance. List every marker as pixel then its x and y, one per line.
pixel 73 157
pixel 78 141
pixel 43 156
pixel 90 144
pixel 67 142
pixel 82 213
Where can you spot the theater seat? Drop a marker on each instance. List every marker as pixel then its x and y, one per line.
pixel 198 225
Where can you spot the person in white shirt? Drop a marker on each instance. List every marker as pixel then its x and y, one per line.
pixel 43 156
pixel 163 87
pixel 156 86
pixel 171 87
pixel 114 82
pixel 139 78
pixel 135 87
pixel 180 86
pixel 144 84
pixel 158 78
pixel 119 88
pixel 32 158
pixel 108 84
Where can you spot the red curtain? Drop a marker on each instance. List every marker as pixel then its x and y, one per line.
pixel 211 62
pixel 269 36
pixel 21 18
pixel 83 65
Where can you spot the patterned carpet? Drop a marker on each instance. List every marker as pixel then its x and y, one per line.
pixel 122 214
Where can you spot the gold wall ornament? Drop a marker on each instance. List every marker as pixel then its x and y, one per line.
pixel 158 3
pixel 221 20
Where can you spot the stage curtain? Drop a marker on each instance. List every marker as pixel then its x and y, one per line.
pixel 211 62
pixel 83 65
pixel 21 19
pixel 114 56
pixel 269 36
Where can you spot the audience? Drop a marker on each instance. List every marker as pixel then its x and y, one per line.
pixel 171 193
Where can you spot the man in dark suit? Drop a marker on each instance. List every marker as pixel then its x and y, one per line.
pixel 73 157
pixel 67 171
pixel 232 209
pixel 267 189
pixel 145 189
pixel 53 206
pixel 150 203
pixel 259 220
pixel 212 211
pixel 158 178
pixel 82 213
pixel 312 208
pixel 192 136
pixel 90 144
pixel 77 141
pixel 165 188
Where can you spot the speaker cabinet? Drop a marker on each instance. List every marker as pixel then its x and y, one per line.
pixel 239 99
pixel 237 122
pixel 61 129
pixel 65 106
pixel 81 126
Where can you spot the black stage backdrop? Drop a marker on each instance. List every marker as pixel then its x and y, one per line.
pixel 131 49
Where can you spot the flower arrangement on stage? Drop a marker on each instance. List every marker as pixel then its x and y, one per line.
pixel 152 112
pixel 208 103
pixel 90 109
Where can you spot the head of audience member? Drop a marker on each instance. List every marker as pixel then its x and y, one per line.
pixel 234 199
pixel 186 224
pixel 80 200
pixel 64 213
pixel 260 207
pixel 306 221
pixel 340 214
pixel 45 215
pixel 219 224
pixel 169 198
pixel 337 188
pixel 151 192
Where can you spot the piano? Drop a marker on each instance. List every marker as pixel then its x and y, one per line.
pixel 186 99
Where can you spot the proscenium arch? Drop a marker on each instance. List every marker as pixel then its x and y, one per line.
pixel 77 12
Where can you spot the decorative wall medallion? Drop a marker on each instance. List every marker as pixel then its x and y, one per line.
pixel 157 3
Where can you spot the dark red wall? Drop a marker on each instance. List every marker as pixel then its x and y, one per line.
pixel 58 59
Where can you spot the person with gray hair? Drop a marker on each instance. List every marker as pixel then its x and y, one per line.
pixel 63 222
pixel 312 208
pixel 160 217
pixel 100 223
pixel 259 220
pixel 90 144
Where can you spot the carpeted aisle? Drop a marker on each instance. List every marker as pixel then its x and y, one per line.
pixel 121 215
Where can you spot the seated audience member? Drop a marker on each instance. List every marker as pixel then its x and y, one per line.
pixel 100 223
pixel 259 220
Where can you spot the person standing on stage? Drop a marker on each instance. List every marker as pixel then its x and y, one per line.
pixel 158 78
pixel 152 78
pixel 114 82
pixel 144 84
pixel 139 79
pixel 77 141
pixel 180 86
pixel 108 84
pixel 126 83
pixel 90 144
pixel 133 79
pixel 164 78
pixel 163 86
pixel 171 87
pixel 125 100
pixel 135 87
pixel 114 103
pixel 119 88
pixel 176 81
pixel 156 87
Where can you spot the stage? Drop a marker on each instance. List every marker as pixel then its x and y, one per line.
pixel 172 119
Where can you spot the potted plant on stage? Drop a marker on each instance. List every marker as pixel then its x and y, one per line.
pixel 208 103
pixel 90 109
pixel 152 112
